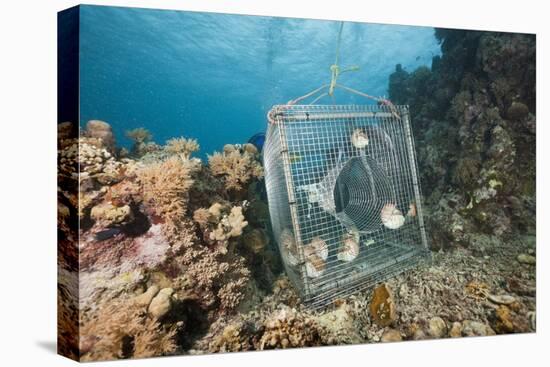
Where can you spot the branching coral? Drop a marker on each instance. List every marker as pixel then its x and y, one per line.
pixel 139 135
pixel 235 337
pixel 166 186
pixel 137 217
pixel 216 277
pixel 182 146
pixel 230 225
pixel 219 223
pixel 232 293
pixel 236 167
pixel 125 330
pixel 287 328
pixel 142 144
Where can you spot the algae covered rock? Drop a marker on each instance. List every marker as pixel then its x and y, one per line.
pixel 101 130
pixel 456 330
pixel 502 299
pixel 517 111
pixel 476 328
pixel 109 214
pixel 162 303
pixel 256 240
pixel 146 297
pixel 341 325
pixel 437 327
pixel 527 259
pixel 473 115
pixel 391 335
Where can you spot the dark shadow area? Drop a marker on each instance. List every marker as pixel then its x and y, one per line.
pixel 196 323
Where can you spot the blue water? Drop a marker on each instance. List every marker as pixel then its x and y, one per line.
pixel 214 76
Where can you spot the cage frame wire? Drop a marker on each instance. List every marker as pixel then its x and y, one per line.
pixel 319 295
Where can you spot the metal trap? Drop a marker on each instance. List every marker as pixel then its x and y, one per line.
pixel 343 195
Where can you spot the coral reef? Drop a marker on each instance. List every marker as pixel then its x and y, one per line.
pixel 182 146
pixel 97 129
pixel 124 330
pixel 230 225
pixel 287 328
pixel 161 254
pixel 235 166
pixel 473 119
pixel 141 142
pixel 129 225
pixel 139 135
pixel 111 215
pixel 219 223
pixel 166 186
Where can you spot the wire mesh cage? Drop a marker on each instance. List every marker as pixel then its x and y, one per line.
pixel 344 196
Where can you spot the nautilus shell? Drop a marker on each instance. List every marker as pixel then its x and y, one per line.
pixel 391 217
pixel 359 139
pixel 412 210
pixel 349 248
pixel 315 266
pixel 316 254
pixel 288 247
pixel 317 246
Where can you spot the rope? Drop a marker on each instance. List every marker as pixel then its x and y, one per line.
pixel 335 73
pixel 377 99
pixel 318 98
pixel 383 101
pixel 338 43
pixel 294 101
pixel 335 70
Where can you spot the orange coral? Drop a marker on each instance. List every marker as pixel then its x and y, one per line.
pixel 477 290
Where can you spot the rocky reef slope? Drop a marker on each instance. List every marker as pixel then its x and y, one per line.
pixel 473 118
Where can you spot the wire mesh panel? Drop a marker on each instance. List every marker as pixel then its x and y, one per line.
pixel 343 195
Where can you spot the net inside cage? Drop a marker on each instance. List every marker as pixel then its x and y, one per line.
pixel 344 196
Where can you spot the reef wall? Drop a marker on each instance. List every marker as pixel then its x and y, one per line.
pixel 473 116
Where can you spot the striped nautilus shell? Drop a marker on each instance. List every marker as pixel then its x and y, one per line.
pixel 316 254
pixel 359 139
pixel 288 247
pixel 391 217
pixel 412 210
pixel 349 247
